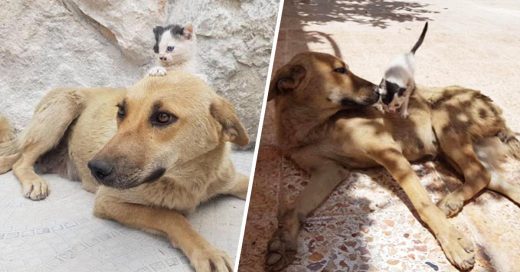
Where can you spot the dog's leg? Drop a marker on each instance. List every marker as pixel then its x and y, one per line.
pixel 50 121
pixel 282 246
pixel 6 131
pixel 7 162
pixel 459 151
pixel 458 249
pixel 503 186
pixel 202 255
pixel 240 186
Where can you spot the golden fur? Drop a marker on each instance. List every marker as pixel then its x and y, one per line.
pixel 71 127
pixel 6 131
pixel 326 137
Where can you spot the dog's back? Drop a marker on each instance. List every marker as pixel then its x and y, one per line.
pixel 472 113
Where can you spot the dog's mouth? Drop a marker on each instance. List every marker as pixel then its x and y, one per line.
pixel 350 103
pixel 131 181
pixel 155 175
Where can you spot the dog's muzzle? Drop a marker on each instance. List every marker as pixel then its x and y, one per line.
pixel 102 171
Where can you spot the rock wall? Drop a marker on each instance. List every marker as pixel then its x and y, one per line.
pixel 47 44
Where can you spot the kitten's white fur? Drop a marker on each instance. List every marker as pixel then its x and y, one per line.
pixel 401 72
pixel 182 58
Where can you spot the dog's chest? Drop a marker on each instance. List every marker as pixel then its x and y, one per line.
pixel 170 194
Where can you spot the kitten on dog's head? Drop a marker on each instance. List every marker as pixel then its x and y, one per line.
pixel 174 44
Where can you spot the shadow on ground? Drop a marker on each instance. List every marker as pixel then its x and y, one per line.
pixel 379 14
pixel 376 13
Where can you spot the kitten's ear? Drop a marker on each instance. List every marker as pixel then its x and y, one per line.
pixel 157 32
pixel 187 31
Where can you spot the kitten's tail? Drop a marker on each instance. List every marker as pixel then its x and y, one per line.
pixel 421 39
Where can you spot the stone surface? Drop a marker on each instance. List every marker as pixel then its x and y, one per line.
pixel 60 233
pixel 366 224
pixel 48 44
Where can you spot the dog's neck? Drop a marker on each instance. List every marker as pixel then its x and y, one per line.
pixel 298 126
pixel 201 172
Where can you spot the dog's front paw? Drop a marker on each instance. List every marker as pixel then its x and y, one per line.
pixel 35 189
pixel 211 260
pixel 157 71
pixel 458 249
pixel 280 251
pixel 451 204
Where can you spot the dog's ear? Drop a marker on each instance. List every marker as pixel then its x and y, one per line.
pixel 157 32
pixel 285 80
pixel 187 31
pixel 232 129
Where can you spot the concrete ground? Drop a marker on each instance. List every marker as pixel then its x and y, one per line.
pixel 365 225
pixel 61 234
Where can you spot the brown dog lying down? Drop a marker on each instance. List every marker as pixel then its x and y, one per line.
pixel 326 125
pixel 161 153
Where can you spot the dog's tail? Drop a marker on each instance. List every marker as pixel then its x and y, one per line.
pixel 8 141
pixel 421 39
pixel 508 138
pixel 493 152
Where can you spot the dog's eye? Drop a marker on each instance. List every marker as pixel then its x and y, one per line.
pixel 341 70
pixel 162 118
pixel 170 48
pixel 121 111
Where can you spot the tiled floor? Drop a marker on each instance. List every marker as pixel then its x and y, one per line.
pixel 366 224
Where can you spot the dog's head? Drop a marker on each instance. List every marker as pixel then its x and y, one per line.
pixel 174 44
pixel 164 122
pixel 322 83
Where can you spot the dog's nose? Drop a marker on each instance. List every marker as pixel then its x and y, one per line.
pixel 101 170
pixel 162 58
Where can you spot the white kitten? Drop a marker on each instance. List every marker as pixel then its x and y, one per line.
pixel 176 50
pixel 398 83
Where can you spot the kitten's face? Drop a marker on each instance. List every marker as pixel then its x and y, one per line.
pixel 393 95
pixel 173 44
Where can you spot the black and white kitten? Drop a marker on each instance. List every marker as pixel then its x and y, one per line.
pixel 176 50
pixel 398 83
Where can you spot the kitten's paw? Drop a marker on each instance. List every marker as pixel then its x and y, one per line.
pixel 202 76
pixel 379 107
pixel 404 114
pixel 157 71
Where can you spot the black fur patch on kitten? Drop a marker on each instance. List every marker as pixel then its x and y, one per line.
pixel 391 90
pixel 159 30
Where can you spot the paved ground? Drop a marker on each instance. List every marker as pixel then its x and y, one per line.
pixel 61 234
pixel 365 225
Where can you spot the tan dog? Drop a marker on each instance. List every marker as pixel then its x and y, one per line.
pixel 6 132
pixel 167 152
pixel 324 123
